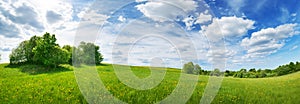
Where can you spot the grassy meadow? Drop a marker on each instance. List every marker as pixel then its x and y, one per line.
pixel 34 84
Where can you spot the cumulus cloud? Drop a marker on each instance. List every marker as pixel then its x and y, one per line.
pixel 22 14
pixel 228 27
pixel 268 41
pixel 168 9
pixel 203 18
pixel 140 41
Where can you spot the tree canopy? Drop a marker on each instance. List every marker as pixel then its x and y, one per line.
pixel 87 53
pixel 45 51
pixel 190 68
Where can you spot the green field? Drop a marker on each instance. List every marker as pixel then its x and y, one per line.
pixel 36 84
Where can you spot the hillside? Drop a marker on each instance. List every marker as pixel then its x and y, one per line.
pixel 30 84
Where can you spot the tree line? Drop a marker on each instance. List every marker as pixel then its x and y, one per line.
pixel 45 51
pixel 292 67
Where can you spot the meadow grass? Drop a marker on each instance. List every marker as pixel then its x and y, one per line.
pixel 34 84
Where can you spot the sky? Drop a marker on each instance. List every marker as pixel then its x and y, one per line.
pixel 226 34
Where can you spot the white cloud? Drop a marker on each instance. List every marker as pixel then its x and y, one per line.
pixel 229 27
pixel 268 41
pixel 203 18
pixel 121 18
pixel 92 17
pixel 189 22
pixel 23 19
pixel 168 9
pixel 294 47
pixel 167 39
pixel 220 54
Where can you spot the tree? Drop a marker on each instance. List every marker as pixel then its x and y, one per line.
pixel 216 72
pixel 258 71
pixel 241 73
pixel 70 52
pixel 48 53
pixel 62 56
pixel 18 54
pixel 23 53
pixel 268 70
pixel 252 70
pixel 32 43
pixel 87 53
pixel 262 74
pixel 197 69
pixel 188 68
pixel 227 73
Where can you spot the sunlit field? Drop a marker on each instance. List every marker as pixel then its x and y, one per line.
pixel 31 84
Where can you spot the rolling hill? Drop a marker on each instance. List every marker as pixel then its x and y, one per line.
pixel 36 84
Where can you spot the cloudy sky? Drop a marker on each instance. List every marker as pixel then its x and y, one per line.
pixel 234 33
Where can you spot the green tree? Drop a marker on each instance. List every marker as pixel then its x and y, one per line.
pixel 262 74
pixel 62 56
pixel 216 72
pixel 188 68
pixel 48 53
pixel 32 43
pixel 23 53
pixel 70 52
pixel 228 73
pixel 18 54
pixel 87 53
pixel 252 70
pixel 197 69
pixel 241 73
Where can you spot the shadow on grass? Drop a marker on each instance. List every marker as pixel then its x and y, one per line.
pixel 40 69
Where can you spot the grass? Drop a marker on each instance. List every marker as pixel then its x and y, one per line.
pixel 33 84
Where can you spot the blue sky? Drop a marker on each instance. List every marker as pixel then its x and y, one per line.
pixel 230 34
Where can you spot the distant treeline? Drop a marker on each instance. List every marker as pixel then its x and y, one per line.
pixel 45 51
pixel 292 67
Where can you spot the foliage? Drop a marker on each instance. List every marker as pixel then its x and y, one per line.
pixel 188 68
pixel 48 52
pixel 18 54
pixel 287 69
pixel 229 73
pixel 216 72
pixel 87 53
pixel 197 70
pixel 70 52
pixel 45 51
pixel 32 43
pixel 279 71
